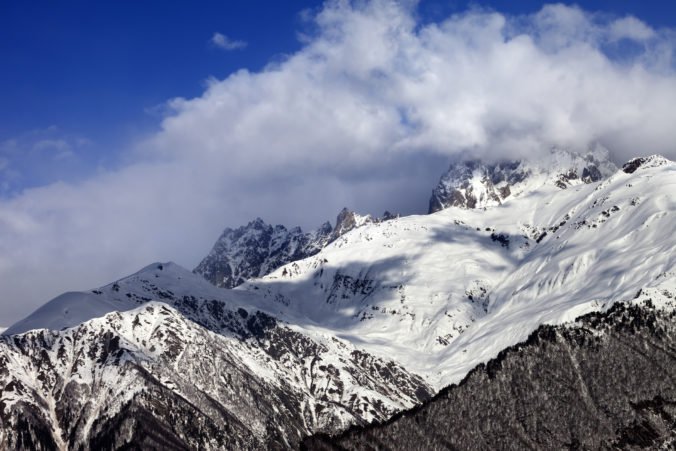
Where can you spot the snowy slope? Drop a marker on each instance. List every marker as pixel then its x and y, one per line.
pixel 604 382
pixel 165 329
pixel 156 281
pixel 443 292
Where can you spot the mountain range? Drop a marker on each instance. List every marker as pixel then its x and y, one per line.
pixel 279 334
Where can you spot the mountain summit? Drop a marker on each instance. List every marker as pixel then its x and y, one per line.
pixel 475 184
pixel 258 248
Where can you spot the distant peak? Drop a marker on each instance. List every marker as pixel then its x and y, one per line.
pixel 325 228
pixel 348 220
pixel 644 162
pixel 163 266
pixel 257 223
pixel 345 221
pixel 156 265
pixel 387 216
pixel 477 184
pixel 257 249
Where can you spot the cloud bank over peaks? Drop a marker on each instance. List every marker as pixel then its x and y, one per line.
pixel 373 84
pixel 367 114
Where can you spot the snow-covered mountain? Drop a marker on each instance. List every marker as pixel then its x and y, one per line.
pixel 475 184
pixel 258 248
pixel 374 321
pixel 165 350
pixel 441 293
pixel 604 382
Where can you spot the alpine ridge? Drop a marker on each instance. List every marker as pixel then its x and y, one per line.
pixel 465 283
pixel 380 317
pixel 168 352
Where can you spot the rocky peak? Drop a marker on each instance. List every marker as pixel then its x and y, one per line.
pixel 241 253
pixel 644 162
pixel 257 223
pixel 345 220
pixel 258 248
pixel 474 184
pixel 477 184
pixel 348 220
pixel 325 229
pixel 569 168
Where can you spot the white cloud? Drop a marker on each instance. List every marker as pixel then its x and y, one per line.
pixel 60 148
pixel 630 28
pixel 52 144
pixel 39 157
pixel 365 115
pixel 225 43
pixel 372 83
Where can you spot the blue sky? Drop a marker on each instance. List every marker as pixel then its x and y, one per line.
pixel 63 60
pixel 101 71
pixel 133 132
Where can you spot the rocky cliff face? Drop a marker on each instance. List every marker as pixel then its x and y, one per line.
pixel 474 184
pixel 258 248
pixel 189 372
pixel 606 382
